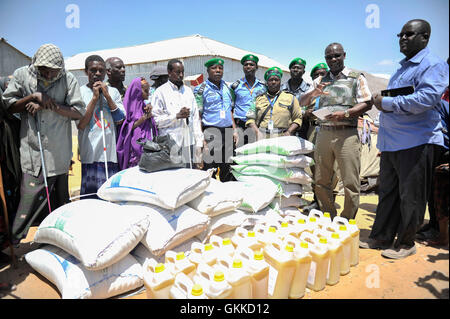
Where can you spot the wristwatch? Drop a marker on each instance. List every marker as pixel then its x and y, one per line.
pixel 346 114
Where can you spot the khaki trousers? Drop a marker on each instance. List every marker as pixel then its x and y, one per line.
pixel 344 147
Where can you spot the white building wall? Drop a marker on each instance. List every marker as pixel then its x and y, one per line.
pixel 10 59
pixel 192 65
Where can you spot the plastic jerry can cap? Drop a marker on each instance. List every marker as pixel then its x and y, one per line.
pixel 322 240
pixel 219 276
pixel 312 219
pixel 208 247
pixel 284 224
pixel 180 255
pixel 304 244
pixel 250 233
pixel 258 255
pixel 301 221
pixel 226 241
pixel 289 248
pixel 159 268
pixel 326 215
pixel 352 222
pixel 272 229
pixel 342 227
pixel 197 290
pixel 335 235
pixel 237 263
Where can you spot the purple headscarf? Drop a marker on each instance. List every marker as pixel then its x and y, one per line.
pixel 128 151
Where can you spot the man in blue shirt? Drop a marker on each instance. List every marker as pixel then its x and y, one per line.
pixel 246 90
pixel 215 100
pixel 410 130
pixel 297 86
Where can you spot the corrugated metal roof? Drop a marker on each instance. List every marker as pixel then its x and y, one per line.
pixel 194 45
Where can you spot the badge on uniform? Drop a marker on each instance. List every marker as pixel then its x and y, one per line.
pixel 222 114
pixel 270 125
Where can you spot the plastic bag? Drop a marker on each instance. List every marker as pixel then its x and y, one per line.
pixel 159 154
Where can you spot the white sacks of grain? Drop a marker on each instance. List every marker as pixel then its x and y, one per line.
pixel 256 194
pixel 96 232
pixel 218 198
pixel 283 145
pixel 287 175
pixel 74 281
pixel 169 228
pixel 275 160
pixel 168 189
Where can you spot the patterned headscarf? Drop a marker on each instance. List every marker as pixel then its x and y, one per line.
pixel 48 55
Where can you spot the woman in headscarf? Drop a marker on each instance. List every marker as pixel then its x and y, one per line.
pixel 138 125
pixel 274 112
pixel 47 98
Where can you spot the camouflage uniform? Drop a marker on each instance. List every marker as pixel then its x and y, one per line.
pixel 339 141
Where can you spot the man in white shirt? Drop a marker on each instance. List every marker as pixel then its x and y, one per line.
pixel 176 113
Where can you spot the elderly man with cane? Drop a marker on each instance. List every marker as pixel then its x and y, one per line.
pixel 47 98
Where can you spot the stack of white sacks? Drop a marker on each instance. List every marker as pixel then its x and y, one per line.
pixel 282 161
pixel 97 248
pixel 161 230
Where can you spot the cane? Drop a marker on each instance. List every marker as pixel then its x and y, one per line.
pixel 189 139
pixel 103 133
pixel 43 162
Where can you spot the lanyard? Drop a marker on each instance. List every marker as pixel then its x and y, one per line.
pixel 271 104
pixel 251 90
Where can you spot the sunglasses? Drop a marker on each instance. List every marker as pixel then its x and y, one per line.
pixel 331 56
pixel 407 34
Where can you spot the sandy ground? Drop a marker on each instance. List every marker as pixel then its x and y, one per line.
pixel 424 275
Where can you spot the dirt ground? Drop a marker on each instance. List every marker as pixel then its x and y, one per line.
pixel 424 275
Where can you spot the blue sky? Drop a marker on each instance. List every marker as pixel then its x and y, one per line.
pixel 282 29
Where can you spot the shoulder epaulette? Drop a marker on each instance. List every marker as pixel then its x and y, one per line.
pixel 235 84
pixel 355 75
pixel 201 89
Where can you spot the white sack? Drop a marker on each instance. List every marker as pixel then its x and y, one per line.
pixel 168 188
pixel 76 282
pixel 97 232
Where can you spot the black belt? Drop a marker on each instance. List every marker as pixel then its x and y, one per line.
pixel 336 127
pixel 240 122
pixel 274 131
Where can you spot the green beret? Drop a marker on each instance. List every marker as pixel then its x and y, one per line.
pixel 249 57
pixel 320 65
pixel 273 71
pixel 214 61
pixel 297 61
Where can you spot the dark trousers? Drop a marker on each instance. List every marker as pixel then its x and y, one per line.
pixel 439 159
pixel 33 207
pixel 246 134
pixel 405 184
pixel 220 148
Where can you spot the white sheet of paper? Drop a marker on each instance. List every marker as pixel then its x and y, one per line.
pixel 322 112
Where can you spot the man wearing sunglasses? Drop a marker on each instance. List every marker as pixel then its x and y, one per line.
pixel 347 96
pixel 410 132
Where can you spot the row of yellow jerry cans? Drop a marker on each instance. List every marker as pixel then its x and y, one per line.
pixel 276 259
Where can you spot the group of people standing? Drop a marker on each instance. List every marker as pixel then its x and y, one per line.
pixel 209 122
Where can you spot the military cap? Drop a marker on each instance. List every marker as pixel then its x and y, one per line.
pixel 214 61
pixel 297 61
pixel 320 65
pixel 273 71
pixel 249 57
